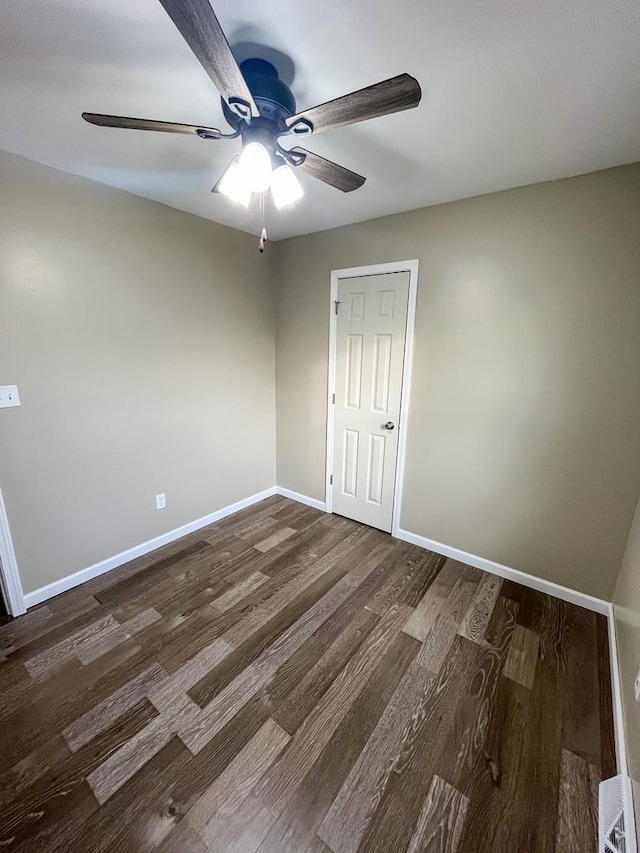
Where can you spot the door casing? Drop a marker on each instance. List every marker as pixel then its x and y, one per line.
pixel 10 576
pixel 355 272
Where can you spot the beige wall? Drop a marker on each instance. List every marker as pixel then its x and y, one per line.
pixel 627 616
pixel 524 423
pixel 142 342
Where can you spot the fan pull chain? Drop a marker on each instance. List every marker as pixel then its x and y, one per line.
pixel 263 224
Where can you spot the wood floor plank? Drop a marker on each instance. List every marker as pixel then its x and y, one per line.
pixel 428 567
pixel 523 656
pixel 86 645
pixel 297 515
pixel 287 677
pixel 243 630
pixel 142 582
pixel 538 782
pixel 141 620
pixel 38 623
pixel 16 780
pixel 256 529
pixel 176 711
pixel 33 816
pixel 282 780
pixel 275 539
pixel 304 697
pixel 492 817
pixel 218 678
pixel 106 712
pixel 354 806
pixel 132 756
pixel 460 600
pixel 577 808
pixel 345 614
pixel 476 620
pixel 441 820
pixel 437 599
pixel 210 762
pixel 102 642
pixel 580 714
pixel 511 589
pixel 51 704
pixel 182 839
pixel 467 737
pixel 238 592
pixel 245 830
pixel 140 815
pixel 28 627
pixel 400 568
pixel 437 644
pixel 300 820
pixel 218 712
pixel 334 690
pixel 391 826
pixel 210 815
pixel 317 846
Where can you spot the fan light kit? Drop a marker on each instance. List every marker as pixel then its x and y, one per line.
pixel 261 109
pixel 252 172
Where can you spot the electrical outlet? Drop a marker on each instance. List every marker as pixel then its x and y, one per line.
pixel 9 396
pixel 636 687
pixel 161 501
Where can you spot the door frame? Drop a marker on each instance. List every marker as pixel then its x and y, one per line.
pixel 9 575
pixel 356 272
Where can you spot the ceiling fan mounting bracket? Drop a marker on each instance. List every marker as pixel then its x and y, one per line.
pixel 241 108
pixel 302 127
pixel 294 158
pixel 210 134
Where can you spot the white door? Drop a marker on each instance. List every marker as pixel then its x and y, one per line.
pixel 371 328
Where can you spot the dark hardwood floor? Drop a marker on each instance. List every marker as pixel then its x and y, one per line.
pixel 286 680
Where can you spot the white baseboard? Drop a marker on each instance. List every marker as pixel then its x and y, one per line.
pixel 616 690
pixel 55 588
pixel 302 499
pixel 598 605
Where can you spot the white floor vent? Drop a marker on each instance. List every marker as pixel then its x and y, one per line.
pixel 616 822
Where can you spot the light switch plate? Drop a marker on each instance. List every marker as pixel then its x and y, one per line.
pixel 9 396
pixel 636 687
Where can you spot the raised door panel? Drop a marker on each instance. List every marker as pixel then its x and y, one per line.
pixel 349 479
pixel 381 374
pixel 353 382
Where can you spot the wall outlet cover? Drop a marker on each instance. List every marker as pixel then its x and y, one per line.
pixel 9 396
pixel 161 501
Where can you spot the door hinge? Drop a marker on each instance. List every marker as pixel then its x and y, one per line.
pixel 331 479
pixel 338 301
pixel 333 399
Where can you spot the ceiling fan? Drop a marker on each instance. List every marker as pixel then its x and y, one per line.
pixel 261 109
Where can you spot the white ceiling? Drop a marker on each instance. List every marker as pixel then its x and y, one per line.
pixel 514 92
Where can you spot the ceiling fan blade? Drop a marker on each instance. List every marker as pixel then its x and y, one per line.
pixel 327 171
pixel 147 124
pixel 390 96
pixel 198 25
